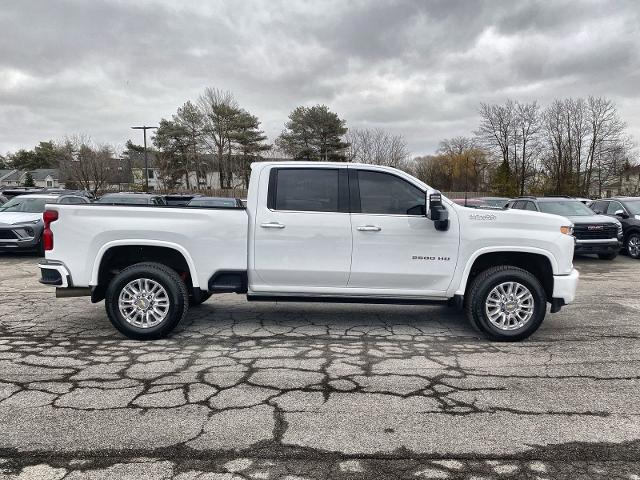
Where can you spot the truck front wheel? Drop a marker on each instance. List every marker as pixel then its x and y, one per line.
pixel 146 301
pixel 506 303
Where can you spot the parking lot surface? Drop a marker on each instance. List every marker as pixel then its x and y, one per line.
pixel 303 391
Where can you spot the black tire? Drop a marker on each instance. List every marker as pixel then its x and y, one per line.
pixel 631 238
pixel 196 299
pixel 607 256
pixel 484 283
pixel 174 286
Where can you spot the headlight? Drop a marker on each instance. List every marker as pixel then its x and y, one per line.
pixel 567 230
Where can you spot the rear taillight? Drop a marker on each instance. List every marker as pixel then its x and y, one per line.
pixel 49 216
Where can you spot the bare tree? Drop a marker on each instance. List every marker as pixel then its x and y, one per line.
pixel 220 111
pixel 606 129
pixel 377 147
pixel 496 127
pixel 92 167
pixel 527 126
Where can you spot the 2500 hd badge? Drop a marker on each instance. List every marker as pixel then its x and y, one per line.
pixel 420 257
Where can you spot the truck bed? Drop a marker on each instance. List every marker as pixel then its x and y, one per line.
pixel 211 239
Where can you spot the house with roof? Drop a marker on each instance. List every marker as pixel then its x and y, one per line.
pixel 627 184
pixel 42 177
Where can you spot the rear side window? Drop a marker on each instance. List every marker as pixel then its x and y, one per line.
pixel 530 206
pixel 599 207
pixel 384 193
pixel 305 189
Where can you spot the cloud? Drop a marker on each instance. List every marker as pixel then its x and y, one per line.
pixel 415 68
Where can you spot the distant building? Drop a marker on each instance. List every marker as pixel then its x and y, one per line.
pixel 627 185
pixel 42 177
pixel 207 179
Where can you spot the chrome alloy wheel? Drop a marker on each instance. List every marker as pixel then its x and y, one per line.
pixel 633 246
pixel 509 306
pixel 143 303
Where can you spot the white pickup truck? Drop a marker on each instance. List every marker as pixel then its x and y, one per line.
pixel 314 232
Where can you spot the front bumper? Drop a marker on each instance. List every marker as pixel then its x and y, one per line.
pixel 20 237
pixel 597 246
pixel 565 286
pixel 55 274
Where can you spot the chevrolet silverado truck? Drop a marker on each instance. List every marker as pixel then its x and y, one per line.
pixel 322 232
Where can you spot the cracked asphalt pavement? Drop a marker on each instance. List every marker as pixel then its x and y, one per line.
pixel 315 391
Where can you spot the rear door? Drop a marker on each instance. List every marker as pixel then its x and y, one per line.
pixel 396 248
pixel 302 239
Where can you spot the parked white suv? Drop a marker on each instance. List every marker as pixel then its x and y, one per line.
pixel 314 232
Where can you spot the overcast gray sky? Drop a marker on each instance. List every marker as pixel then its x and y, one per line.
pixel 418 68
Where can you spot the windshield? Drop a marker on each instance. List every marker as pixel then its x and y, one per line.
pixel 565 208
pixel 26 205
pixel 122 200
pixel 633 206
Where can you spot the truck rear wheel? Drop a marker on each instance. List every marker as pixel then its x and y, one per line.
pixel 146 301
pixel 506 303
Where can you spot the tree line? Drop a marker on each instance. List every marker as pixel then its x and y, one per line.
pixel 216 136
pixel 574 146
pixel 571 147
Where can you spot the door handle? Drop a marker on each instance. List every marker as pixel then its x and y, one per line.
pixel 272 225
pixel 369 228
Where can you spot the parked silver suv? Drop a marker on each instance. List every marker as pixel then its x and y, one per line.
pixel 21 220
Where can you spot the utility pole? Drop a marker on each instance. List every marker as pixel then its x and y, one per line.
pixel 144 128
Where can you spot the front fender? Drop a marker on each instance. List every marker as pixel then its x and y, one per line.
pixel 460 285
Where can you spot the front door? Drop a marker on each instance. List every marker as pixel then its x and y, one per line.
pixel 396 248
pixel 302 240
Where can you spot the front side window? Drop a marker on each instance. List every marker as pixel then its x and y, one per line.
pixel 530 206
pixel 387 194
pixel 613 208
pixel 307 189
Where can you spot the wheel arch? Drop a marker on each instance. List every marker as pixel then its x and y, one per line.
pixel 124 253
pixel 541 263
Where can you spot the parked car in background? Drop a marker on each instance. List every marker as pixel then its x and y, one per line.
pixel 179 199
pixel 63 191
pixel 215 202
pixel 131 198
pixel 470 202
pixel 594 234
pixel 21 222
pixel 627 211
pixel 11 192
pixel 497 202
pixel 3 200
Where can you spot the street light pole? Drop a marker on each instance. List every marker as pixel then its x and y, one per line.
pixel 144 128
